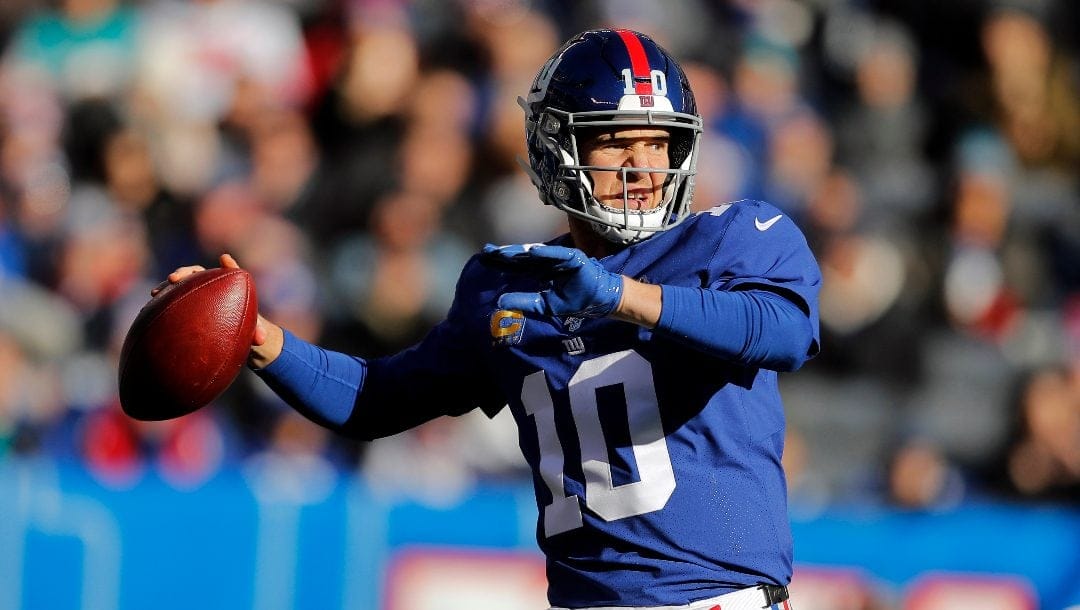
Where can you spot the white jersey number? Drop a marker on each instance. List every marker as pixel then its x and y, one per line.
pixel 656 483
pixel 658 78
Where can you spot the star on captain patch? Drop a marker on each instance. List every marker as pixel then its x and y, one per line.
pixel 507 326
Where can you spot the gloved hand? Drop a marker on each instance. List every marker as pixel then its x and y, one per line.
pixel 580 286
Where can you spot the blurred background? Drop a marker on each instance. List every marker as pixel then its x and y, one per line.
pixel 928 148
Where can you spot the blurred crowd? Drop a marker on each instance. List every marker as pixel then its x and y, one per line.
pixel 352 154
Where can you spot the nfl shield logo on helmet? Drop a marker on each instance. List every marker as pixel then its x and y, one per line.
pixel 507 327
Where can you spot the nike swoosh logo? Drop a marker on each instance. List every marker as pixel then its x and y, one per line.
pixel 764 226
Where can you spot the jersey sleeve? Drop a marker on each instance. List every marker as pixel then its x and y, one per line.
pixel 761 248
pixel 444 374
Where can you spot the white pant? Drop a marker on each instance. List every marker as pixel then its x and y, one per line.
pixel 751 598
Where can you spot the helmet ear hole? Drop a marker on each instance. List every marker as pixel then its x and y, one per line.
pixel 551 125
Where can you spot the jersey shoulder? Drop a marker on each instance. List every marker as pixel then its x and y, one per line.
pixel 755 239
pixel 744 213
pixel 752 224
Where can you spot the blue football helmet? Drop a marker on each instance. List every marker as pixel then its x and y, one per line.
pixel 610 79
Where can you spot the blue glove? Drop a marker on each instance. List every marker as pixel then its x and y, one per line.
pixel 580 286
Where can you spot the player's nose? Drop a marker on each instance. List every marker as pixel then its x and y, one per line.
pixel 638 156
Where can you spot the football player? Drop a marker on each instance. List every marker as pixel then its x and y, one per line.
pixel 638 353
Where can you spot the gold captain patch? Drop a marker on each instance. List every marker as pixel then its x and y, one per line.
pixel 507 326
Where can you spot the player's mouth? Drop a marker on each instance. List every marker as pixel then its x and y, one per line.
pixel 638 200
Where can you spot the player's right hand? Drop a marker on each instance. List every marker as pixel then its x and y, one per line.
pixel 266 342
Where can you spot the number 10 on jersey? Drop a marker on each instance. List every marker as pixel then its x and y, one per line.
pixel 656 479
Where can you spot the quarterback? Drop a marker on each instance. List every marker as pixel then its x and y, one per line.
pixel 638 353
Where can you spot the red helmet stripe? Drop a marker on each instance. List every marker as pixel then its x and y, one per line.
pixel 639 62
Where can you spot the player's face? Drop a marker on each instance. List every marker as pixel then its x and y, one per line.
pixel 628 148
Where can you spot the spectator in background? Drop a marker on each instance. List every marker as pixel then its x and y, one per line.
pixel 508 202
pixel 135 186
pixel 1043 455
pixel 119 451
pixel 373 301
pixel 1023 129
pixel 82 48
pixel 435 163
pixel 919 476
pixel 1032 87
pixel 800 157
pixel 881 134
pixel 98 247
pixel 34 418
pixel 360 121
pixel 210 62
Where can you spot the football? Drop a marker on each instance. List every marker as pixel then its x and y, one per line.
pixel 188 344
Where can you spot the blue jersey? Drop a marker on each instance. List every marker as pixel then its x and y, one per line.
pixel 656 466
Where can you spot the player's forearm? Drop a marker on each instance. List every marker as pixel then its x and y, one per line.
pixel 361 399
pixel 322 385
pixel 753 327
pixel 640 304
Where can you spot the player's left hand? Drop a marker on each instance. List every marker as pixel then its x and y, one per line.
pixel 580 286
